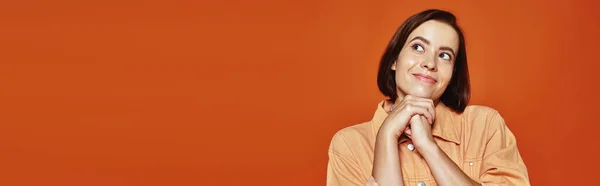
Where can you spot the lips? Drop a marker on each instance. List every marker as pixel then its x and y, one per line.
pixel 425 78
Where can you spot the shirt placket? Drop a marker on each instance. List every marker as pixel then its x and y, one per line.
pixel 413 165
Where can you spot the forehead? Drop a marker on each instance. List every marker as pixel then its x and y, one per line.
pixel 438 33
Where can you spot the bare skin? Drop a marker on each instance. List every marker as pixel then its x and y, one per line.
pixel 423 71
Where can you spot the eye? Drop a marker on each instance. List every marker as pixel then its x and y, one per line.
pixel 446 56
pixel 418 47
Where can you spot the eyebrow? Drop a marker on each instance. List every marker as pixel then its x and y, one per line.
pixel 420 38
pixel 427 42
pixel 448 49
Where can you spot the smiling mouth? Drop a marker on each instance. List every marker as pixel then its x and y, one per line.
pixel 425 78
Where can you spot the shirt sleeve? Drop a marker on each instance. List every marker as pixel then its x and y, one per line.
pixel 502 164
pixel 342 168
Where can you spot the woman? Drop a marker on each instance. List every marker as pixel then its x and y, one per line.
pixel 425 134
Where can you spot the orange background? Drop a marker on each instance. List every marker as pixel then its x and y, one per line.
pixel 251 92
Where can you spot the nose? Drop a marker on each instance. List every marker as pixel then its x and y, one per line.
pixel 429 64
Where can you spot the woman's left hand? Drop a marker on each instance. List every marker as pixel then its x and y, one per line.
pixel 420 132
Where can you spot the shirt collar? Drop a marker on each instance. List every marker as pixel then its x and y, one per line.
pixel 444 126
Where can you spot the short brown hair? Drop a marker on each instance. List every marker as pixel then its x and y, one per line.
pixel 456 96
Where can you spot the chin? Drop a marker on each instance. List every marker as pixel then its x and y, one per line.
pixel 422 95
pixel 421 92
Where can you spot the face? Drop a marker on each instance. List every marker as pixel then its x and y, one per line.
pixel 425 63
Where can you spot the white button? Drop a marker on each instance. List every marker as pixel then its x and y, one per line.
pixel 421 183
pixel 471 164
pixel 411 147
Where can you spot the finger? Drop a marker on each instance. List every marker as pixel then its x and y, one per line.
pixel 405 99
pixel 407 131
pixel 418 118
pixel 423 119
pixel 417 122
pixel 413 121
pixel 422 109
pixel 410 97
pixel 428 104
pixel 431 105
pixel 415 109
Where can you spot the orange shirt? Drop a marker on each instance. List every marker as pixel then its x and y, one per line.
pixel 477 140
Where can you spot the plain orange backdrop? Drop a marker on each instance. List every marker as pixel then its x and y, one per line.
pixel 251 92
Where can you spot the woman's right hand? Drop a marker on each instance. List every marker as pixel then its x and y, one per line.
pixel 398 119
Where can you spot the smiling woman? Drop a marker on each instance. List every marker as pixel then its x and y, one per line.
pixel 426 133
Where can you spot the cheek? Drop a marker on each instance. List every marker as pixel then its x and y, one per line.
pixel 405 61
pixel 445 73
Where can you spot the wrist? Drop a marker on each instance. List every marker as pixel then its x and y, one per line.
pixel 428 148
pixel 388 131
pixel 387 138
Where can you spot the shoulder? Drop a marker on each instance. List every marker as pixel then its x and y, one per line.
pixel 482 128
pixel 481 118
pixel 478 111
pixel 351 137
